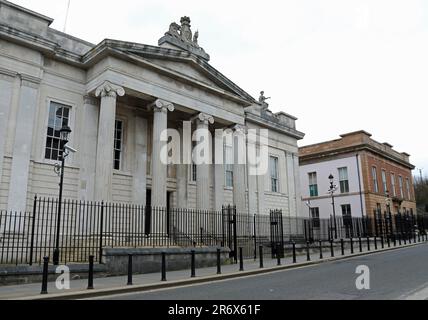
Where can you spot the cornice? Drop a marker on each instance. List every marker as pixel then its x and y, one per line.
pixel 353 149
pixel 274 126
pixel 141 51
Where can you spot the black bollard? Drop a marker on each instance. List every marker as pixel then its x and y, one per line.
pixel 382 242
pixel 405 240
pixel 368 244
pixel 129 270
pixel 241 260
pixel 360 243
pixel 394 240
pixel 163 271
pixel 414 237
pixel 388 239
pixel 308 254
pixel 261 257
pixel 193 265
pixel 294 252
pixel 375 243
pixel 91 273
pixel 45 275
pixel 218 261
pixel 342 246
pixel 419 237
pixel 331 248
pixel 352 245
pixel 321 255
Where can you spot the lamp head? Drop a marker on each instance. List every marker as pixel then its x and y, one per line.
pixel 65 133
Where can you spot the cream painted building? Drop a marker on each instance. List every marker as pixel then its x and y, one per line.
pixel 117 97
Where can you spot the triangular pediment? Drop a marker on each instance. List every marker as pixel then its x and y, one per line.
pixel 182 63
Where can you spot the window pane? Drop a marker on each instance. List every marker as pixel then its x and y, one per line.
pixel 118 144
pixel 273 163
pixel 58 115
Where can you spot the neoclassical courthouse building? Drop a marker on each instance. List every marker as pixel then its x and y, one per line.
pixel 117 97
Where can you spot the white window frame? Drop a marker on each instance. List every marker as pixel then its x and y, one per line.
pixel 71 122
pixel 228 168
pixel 375 180
pixel 345 169
pixel 409 196
pixel 122 144
pixel 400 186
pixel 314 173
pixel 276 177
pixel 393 185
pixel 384 181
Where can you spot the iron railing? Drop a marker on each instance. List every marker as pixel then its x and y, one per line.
pixel 89 227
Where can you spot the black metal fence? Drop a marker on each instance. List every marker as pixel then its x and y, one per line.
pixel 88 227
pixel 403 225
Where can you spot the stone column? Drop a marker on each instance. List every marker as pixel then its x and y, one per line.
pixel 239 187
pixel 89 144
pixel 182 173
pixel 26 114
pixel 252 179
pixel 218 171
pixel 159 170
pixel 203 185
pixel 140 162
pixel 105 144
pixel 297 196
pixel 6 89
pixel 291 190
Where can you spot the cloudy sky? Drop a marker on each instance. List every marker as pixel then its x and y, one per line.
pixel 338 65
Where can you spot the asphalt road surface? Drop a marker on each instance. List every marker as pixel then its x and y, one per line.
pixel 398 274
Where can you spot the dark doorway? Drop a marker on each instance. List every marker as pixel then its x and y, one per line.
pixel 148 213
pixel 168 212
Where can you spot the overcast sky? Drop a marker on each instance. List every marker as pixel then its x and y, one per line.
pixel 337 65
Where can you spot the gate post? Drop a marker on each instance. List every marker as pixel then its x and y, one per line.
pixel 235 236
pixel 32 229
pixel 101 233
pixel 255 237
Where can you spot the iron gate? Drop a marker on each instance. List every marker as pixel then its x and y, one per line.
pixel 276 233
pixel 229 212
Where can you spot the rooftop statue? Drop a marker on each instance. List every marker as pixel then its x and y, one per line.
pixel 186 32
pixel 182 36
pixel 263 99
pixel 174 30
pixel 195 39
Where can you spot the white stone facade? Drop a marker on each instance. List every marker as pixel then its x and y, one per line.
pixel 147 88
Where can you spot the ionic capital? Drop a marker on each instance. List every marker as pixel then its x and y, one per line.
pixel 239 129
pixel 162 106
pixel 204 118
pixel 107 89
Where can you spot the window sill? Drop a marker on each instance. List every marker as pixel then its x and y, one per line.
pixel 276 194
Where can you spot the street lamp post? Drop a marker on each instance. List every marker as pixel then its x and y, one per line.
pixel 331 191
pixel 388 209
pixel 64 136
pixel 308 203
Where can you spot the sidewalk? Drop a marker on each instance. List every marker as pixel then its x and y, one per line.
pixel 152 281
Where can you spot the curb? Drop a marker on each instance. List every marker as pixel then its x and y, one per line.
pixel 178 283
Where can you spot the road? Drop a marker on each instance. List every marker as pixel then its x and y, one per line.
pixel 398 274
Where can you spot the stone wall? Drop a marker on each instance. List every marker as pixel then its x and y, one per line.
pixel 149 260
